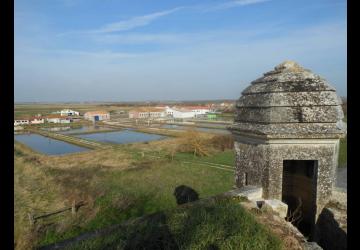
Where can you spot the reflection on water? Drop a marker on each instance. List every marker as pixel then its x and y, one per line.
pixel 47 145
pixel 56 129
pixel 69 130
pixel 85 129
pixel 121 137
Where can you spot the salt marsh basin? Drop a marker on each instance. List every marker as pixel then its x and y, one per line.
pixel 47 145
pixel 82 129
pixel 121 137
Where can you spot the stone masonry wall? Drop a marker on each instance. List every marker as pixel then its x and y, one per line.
pixel 264 165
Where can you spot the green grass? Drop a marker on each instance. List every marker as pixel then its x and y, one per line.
pixel 227 158
pixel 226 116
pixel 145 189
pixel 216 224
pixel 135 186
pixel 32 193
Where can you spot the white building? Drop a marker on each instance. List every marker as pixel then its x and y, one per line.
pixel 37 120
pixel 186 112
pixel 97 115
pixel 69 112
pixel 18 122
pixel 58 119
pixel 179 113
pixel 147 113
pixel 27 121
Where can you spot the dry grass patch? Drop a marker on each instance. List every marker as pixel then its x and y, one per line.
pixel 108 158
pixel 117 183
pixel 34 192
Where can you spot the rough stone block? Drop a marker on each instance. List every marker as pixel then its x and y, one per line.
pixel 277 206
pixel 251 192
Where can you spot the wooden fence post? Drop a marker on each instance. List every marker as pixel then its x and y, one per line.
pixel 73 208
pixel 31 219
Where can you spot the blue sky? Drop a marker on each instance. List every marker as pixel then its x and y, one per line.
pixel 110 50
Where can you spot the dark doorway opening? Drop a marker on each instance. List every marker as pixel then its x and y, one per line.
pixel 299 193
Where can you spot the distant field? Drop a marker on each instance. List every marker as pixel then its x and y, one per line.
pixel 45 109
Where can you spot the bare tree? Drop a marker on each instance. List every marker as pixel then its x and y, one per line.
pixel 295 216
pixel 193 142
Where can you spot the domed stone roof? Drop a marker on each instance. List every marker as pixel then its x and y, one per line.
pixel 289 101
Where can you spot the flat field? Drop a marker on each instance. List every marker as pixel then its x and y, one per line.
pixel 45 109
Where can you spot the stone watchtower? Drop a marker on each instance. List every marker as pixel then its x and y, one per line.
pixel 287 129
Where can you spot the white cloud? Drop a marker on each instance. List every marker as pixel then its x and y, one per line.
pixel 134 22
pixel 101 54
pixel 140 21
pixel 233 4
pixel 187 38
pixel 138 38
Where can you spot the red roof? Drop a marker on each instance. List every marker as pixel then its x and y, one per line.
pixel 30 118
pixel 100 112
pixel 147 109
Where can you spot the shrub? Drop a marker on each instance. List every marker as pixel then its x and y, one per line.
pixel 222 142
pixel 192 142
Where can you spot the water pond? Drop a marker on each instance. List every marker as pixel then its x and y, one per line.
pixel 47 145
pixel 121 137
pixel 83 129
pixel 56 129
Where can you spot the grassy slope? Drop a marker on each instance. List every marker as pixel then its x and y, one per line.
pixel 227 158
pixel 34 191
pixel 196 226
pixel 119 183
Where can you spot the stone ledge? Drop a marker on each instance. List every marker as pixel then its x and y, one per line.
pixel 249 192
pixel 277 206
